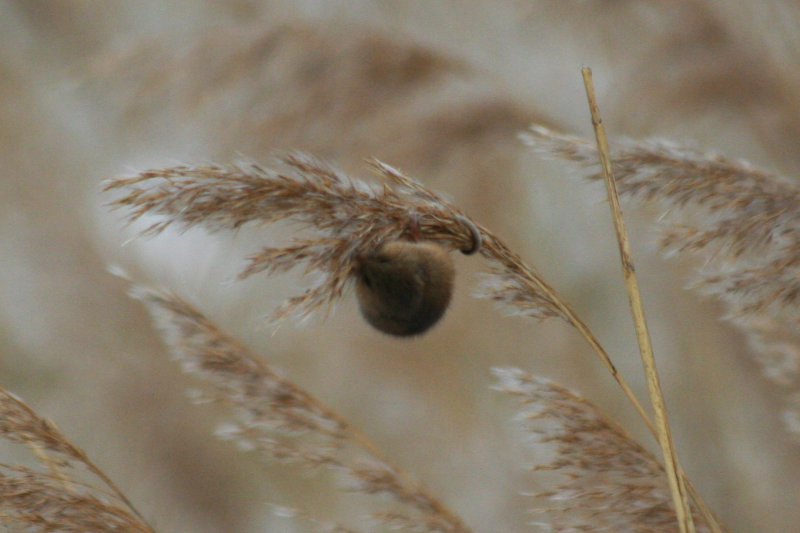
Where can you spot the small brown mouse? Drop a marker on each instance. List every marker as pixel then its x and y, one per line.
pixel 404 288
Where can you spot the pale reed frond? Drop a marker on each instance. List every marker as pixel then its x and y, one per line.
pixel 609 481
pixel 744 223
pixel 349 218
pixel 276 418
pixel 60 500
pixel 34 501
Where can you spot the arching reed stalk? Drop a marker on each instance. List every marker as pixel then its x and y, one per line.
pixel 345 219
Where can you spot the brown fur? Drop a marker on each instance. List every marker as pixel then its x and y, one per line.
pixel 404 288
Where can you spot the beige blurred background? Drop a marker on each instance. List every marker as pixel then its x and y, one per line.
pixel 94 89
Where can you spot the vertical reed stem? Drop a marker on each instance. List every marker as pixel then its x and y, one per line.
pixel 676 482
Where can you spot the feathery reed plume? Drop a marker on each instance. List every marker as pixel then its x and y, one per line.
pixel 34 501
pixel 611 482
pixel 351 218
pixel 280 420
pixel 58 500
pixel 743 222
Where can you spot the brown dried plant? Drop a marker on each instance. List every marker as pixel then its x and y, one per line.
pixel 351 218
pixel 345 218
pixel 742 222
pixel 609 480
pixel 738 220
pixel 278 419
pixel 60 498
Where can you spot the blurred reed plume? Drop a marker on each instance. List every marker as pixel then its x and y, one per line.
pixel 608 480
pixel 351 218
pixel 742 222
pixel 347 219
pixel 95 89
pixel 278 419
pixel 72 495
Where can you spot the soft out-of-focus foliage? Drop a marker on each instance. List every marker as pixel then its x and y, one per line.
pixel 92 90
pixel 742 221
pixel 608 482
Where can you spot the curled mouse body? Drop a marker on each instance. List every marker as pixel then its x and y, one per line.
pixel 404 288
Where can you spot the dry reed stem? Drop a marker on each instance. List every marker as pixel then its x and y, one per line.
pixel 280 420
pixel 673 469
pixel 57 501
pixel 611 483
pixel 743 222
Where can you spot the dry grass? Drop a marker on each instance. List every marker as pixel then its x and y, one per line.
pixel 277 419
pixel 348 219
pixel 351 217
pixel 342 219
pixel 443 95
pixel 606 480
pixel 742 222
pixel 58 499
